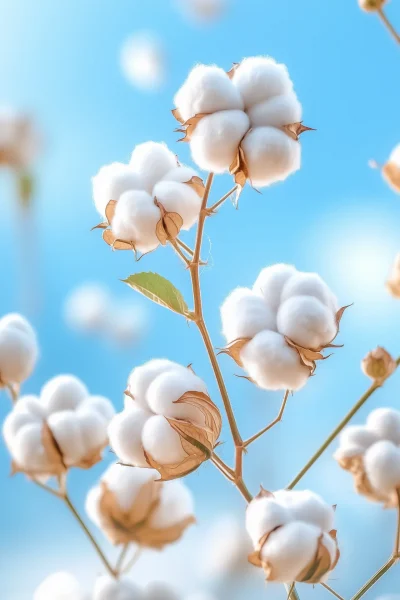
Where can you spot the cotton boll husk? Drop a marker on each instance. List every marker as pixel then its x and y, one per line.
pixel 141 377
pixel 152 161
pixel 179 198
pixel 306 321
pixel 215 141
pixel 27 448
pixel 162 442
pixel 263 515
pixel 60 586
pixel 143 61
pixel 244 314
pixel 135 220
pixel 126 482
pixel 270 282
pixel 290 549
pixel 271 155
pixel 125 434
pixel 385 423
pixel 180 174
pixel 18 354
pixel 176 504
pixel 259 78
pixel 355 439
pixel 66 430
pixel 169 387
pixel 307 506
pixel 157 590
pixel 382 465
pixel 86 307
pixel 64 392
pixel 309 284
pixel 207 89
pixel 276 112
pixel 272 364
pixel 107 588
pixel 110 182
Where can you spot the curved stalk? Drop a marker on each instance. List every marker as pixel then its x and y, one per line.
pixel 388 25
pixel 371 582
pixel 277 419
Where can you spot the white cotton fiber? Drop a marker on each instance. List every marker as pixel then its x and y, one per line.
pixel 180 174
pixel 141 377
pixel 60 586
pixel 263 515
pixel 126 483
pixel 307 506
pixel 157 590
pixel 176 504
pixel 135 220
pixel 385 424
pixel 207 89
pixel 101 405
pixel 259 78
pixel 66 430
pixel 152 160
pixel 395 156
pixel 110 182
pixel 15 420
pixel 108 588
pixel 18 349
pixel 92 505
pixel 17 321
pixel 125 433
pixel 270 282
pixel 355 439
pixel 179 198
pixel 86 307
pixel 63 392
pixel 143 61
pixel 382 465
pixel 271 155
pixel 306 321
pixel 276 112
pixel 309 284
pixel 162 442
pixel 27 448
pixel 214 143
pixel 244 314
pixel 93 429
pixel 272 364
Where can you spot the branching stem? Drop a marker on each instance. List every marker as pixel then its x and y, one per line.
pixel 388 25
pixel 272 424
pixel 327 587
pixel 214 207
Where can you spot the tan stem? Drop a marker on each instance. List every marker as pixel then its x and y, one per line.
pixel 272 424
pixel 396 551
pixel 179 252
pixel 184 246
pixel 223 467
pixel 388 25
pixel 13 391
pixel 121 558
pixel 327 587
pixel 222 200
pixel 48 489
pixel 133 560
pixel 371 582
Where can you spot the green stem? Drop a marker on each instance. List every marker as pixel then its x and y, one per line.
pixel 371 582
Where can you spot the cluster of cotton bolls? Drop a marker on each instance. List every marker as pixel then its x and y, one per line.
pixel 19 139
pixel 371 453
pixel 202 11
pixel 18 350
pixel 246 121
pixel 169 422
pixel 130 505
pixel 90 308
pixel 143 61
pixel 277 329
pixel 147 201
pixel 293 536
pixel 64 427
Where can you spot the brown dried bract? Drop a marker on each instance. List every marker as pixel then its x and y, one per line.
pixel 232 70
pixel 391 174
pixel 240 171
pixel 197 184
pixel 189 126
pixel 55 463
pixel 233 349
pixel 294 130
pixel 169 226
pixel 108 236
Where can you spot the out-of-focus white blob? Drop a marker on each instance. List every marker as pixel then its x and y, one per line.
pixel 20 141
pixel 108 588
pixel 158 590
pixel 201 596
pixel 202 11
pixel 86 307
pixel 18 349
pixel 60 586
pixel 143 61
pixel 127 323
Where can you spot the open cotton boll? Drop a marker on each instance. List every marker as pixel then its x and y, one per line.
pixel 86 307
pixel 307 506
pixel 382 465
pixel 110 182
pixel 385 423
pixel 27 448
pixel 263 515
pixel 65 428
pixel 309 284
pixel 64 392
pixel 270 282
pixel 108 588
pixel 157 590
pixel 290 549
pixel 207 89
pixel 168 388
pixel 272 364
pixel 355 439
pixel 141 377
pixel 135 220
pixel 276 112
pixel 180 174
pixel 18 349
pixel 60 586
pixel 179 198
pixel 259 78
pixel 162 442
pixel 214 142
pixel 143 61
pixel 126 483
pixel 17 321
pixel 125 433
pixel 271 155
pixel 244 315
pixel 152 160
pixel 176 504
pixel 306 321
pixel 20 416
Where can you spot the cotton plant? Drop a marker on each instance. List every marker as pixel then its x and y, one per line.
pixel 143 61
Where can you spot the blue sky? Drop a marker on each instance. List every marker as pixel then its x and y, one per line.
pixel 59 60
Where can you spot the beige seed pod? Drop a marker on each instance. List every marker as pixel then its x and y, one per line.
pixel 378 364
pixel 371 5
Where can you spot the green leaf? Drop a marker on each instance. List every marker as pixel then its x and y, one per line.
pixel 159 290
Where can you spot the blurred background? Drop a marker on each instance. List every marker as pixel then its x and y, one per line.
pixel 69 65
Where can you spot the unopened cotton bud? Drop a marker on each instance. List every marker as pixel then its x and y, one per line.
pixel 108 588
pixel 244 315
pixel 393 283
pixel 60 586
pixel 143 61
pixel 354 441
pixel 378 365
pixel 306 321
pixel 371 5
pixel 110 182
pixel 18 349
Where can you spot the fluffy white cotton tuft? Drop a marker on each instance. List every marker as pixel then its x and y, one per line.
pixel 306 321
pixel 263 515
pixel 276 112
pixel 270 282
pixel 382 466
pixel 60 586
pixel 143 61
pixel 135 220
pixel 260 78
pixel 152 161
pixel 244 315
pixel 157 590
pixel 63 392
pixel 141 377
pixel 18 349
pixel 87 307
pixel 176 504
pixel 162 442
pixel 309 284
pixel 385 423
pixel 125 433
pixel 107 588
pixel 179 198
pixel 110 182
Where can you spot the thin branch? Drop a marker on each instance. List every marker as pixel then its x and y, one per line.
pixel 223 467
pixel 47 488
pixel 326 586
pixel 388 25
pixel 374 579
pixel 13 391
pixel 184 246
pixel 292 592
pixel 121 558
pixel 214 207
pixel 272 424
pixel 337 430
pixel 397 541
pixel 179 252
pixel 133 560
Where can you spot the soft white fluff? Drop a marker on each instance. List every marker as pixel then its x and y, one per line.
pixel 179 198
pixel 260 78
pixel 77 421
pixel 276 112
pixel 135 220
pixel 283 302
pixel 125 433
pixel 108 588
pixel 60 586
pixel 87 307
pixel 162 442
pixel 382 465
pixel 395 156
pixel 110 182
pixel 143 61
pixel 152 161
pixel 176 505
pixel 225 549
pixel 18 349
pixel 157 590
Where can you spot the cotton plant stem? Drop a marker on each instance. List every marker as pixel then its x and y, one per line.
pixel 272 424
pixel 214 207
pixel 388 25
pixel 121 558
pixel 396 551
pixel 179 252
pixel 133 560
pixel 330 590
pixel 47 488
pixel 371 582
pixel 223 467
pixel 337 430
pixel 184 246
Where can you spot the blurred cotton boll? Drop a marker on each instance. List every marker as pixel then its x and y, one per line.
pixel 107 588
pixel 87 307
pixel 201 596
pixel 60 586
pixel 202 11
pixel 143 61
pixel 158 590
pixel 127 323
pixel 20 141
pixel 18 349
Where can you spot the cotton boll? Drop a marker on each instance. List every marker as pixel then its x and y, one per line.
pixel 86 307
pixel 135 220
pixel 271 155
pixel 179 198
pixel 162 442
pixel 108 588
pixel 66 430
pixel 156 590
pixel 259 78
pixel 244 315
pixel 306 321
pixel 356 439
pixel 176 504
pixel 18 354
pixel 92 505
pixel 272 364
pixel 14 421
pixel 141 377
pixel 143 61
pixel 92 428
pixel 17 321
pixel 167 388
pixel 290 549
pixel 27 448
pixel 152 160
pixel 125 434
pixel 270 282
pixel 263 515
pixel 60 586
pixel 63 392
pixel 126 483
pixel 180 174
pixel 385 424
pixel 110 182
pixel 309 284
pixel 226 548
pixel 395 156
pixel 276 112
pixel 207 89
pixel 101 405
pixel 382 465
pixel 307 506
